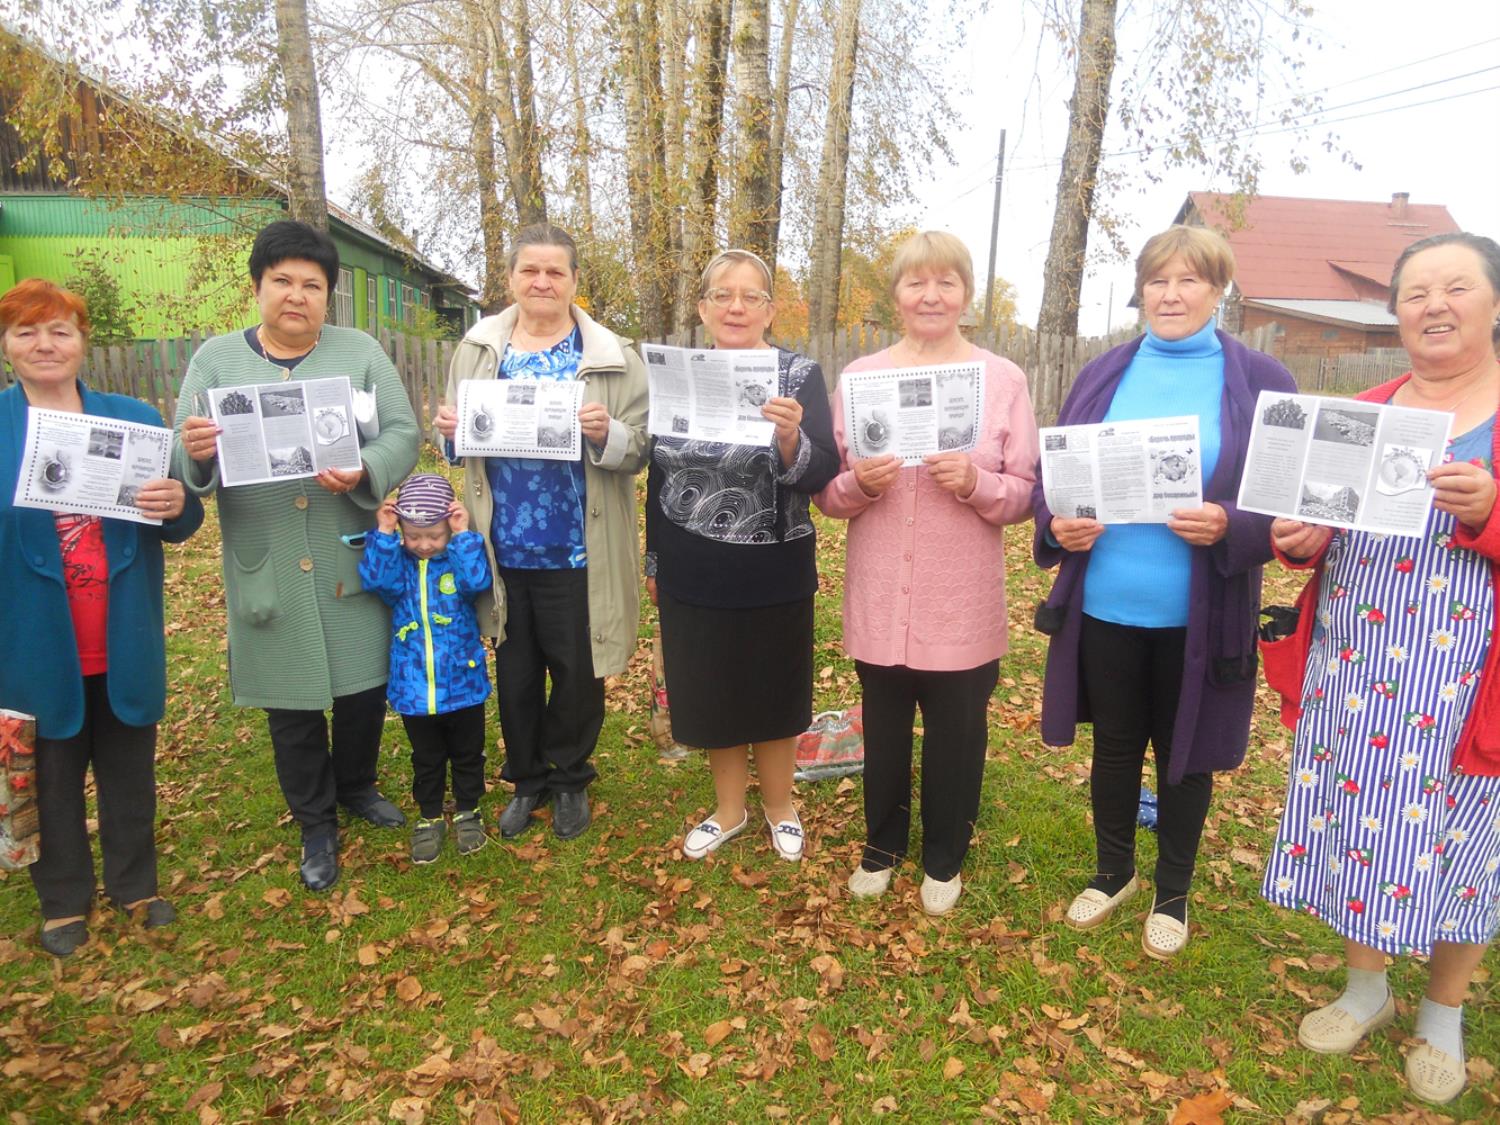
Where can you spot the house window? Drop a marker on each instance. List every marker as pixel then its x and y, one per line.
pixel 1330 333
pixel 343 298
pixel 392 299
pixel 409 304
pixel 372 302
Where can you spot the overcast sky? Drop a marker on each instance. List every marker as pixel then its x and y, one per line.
pixel 1446 151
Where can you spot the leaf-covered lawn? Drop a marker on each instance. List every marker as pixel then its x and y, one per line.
pixel 609 979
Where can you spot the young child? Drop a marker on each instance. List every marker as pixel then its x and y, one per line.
pixel 438 681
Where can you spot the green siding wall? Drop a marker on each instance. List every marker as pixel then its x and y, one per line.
pixel 153 247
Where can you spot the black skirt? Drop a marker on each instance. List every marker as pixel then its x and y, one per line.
pixel 737 675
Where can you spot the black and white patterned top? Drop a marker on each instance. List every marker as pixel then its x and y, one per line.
pixel 708 501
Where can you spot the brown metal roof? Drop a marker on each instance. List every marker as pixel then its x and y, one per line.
pixel 1317 249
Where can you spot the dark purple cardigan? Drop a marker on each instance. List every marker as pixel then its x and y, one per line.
pixel 1218 673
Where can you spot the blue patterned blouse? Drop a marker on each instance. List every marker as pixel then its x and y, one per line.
pixel 538 522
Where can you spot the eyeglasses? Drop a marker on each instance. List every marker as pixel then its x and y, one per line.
pixel 750 298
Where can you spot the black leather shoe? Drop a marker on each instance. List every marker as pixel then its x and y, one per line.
pixel 377 810
pixel 152 914
pixel 517 815
pixel 320 861
pixel 570 814
pixel 63 940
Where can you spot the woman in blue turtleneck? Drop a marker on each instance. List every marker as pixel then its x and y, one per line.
pixel 1153 625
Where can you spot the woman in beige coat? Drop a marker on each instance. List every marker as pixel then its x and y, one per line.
pixel 561 534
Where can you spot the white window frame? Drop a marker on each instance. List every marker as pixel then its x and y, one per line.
pixel 372 302
pixel 343 299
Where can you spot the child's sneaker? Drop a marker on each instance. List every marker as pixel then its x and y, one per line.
pixel 468 832
pixel 427 840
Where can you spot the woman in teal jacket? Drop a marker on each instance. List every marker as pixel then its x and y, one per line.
pixel 82 633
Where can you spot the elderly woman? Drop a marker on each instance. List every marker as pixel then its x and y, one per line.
pixel 82 628
pixel 562 534
pixel 1153 625
pixel 304 635
pixel 924 590
pixel 730 564
pixel 1391 832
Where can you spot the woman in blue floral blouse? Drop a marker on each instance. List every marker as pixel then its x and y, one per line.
pixel 561 534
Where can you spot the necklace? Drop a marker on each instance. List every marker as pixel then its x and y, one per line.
pixel 265 352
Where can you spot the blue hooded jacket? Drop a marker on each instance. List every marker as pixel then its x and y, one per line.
pixel 437 656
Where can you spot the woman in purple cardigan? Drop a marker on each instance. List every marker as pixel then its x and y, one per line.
pixel 1153 625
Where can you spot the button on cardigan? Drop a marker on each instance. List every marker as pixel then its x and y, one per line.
pixel 924 580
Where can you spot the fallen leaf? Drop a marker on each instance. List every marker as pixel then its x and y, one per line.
pixel 952 1069
pixel 408 988
pixel 716 1033
pixel 1204 1109
pixel 821 1043
pixel 203 1095
pixel 277 897
pixel 367 955
pixel 409 1111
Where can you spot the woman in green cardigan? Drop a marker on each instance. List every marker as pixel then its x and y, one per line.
pixel 303 636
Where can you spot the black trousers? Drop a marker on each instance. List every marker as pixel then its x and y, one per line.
pixel 955 735
pixel 1133 677
pixel 317 776
pixel 453 739
pixel 549 738
pixel 124 762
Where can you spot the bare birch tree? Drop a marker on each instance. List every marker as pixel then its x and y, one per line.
pixel 1088 111
pixel 752 203
pixel 828 228
pixel 306 197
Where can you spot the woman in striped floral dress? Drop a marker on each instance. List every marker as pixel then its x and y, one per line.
pixel 1391 832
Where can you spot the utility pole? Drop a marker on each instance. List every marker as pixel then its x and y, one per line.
pixel 989 289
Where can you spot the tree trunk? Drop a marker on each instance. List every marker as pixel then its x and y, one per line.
pixel 702 171
pixel 1088 112
pixel 828 229
pixel 492 297
pixel 515 111
pixel 640 74
pixel 782 96
pixel 306 197
pixel 751 218
pixel 674 18
pixel 583 143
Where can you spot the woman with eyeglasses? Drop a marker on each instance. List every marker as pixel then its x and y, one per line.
pixel 304 637
pixel 731 568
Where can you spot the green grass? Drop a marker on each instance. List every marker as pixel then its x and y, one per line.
pixel 609 979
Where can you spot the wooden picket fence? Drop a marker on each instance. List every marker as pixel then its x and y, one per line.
pixel 153 370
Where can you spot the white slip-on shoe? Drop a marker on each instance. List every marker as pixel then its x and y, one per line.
pixel 786 837
pixel 1163 936
pixel 1434 1075
pixel 1093 908
pixel 1332 1031
pixel 868 884
pixel 708 836
pixel 940 895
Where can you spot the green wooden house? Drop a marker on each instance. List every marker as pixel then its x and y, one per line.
pixel 177 255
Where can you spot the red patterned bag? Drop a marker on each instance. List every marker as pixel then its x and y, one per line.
pixel 20 838
pixel 834 746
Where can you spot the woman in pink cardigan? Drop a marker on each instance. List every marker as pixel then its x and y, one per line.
pixel 924 590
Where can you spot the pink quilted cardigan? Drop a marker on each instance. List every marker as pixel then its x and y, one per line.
pixel 924 581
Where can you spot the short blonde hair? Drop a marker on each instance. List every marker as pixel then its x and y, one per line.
pixel 1207 251
pixel 937 251
pixel 730 258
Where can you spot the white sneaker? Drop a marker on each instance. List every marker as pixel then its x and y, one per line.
pixel 786 837
pixel 939 895
pixel 869 884
pixel 1092 907
pixel 708 836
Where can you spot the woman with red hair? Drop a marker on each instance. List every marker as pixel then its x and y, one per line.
pixel 84 604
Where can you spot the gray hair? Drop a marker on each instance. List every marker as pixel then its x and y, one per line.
pixel 735 258
pixel 542 234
